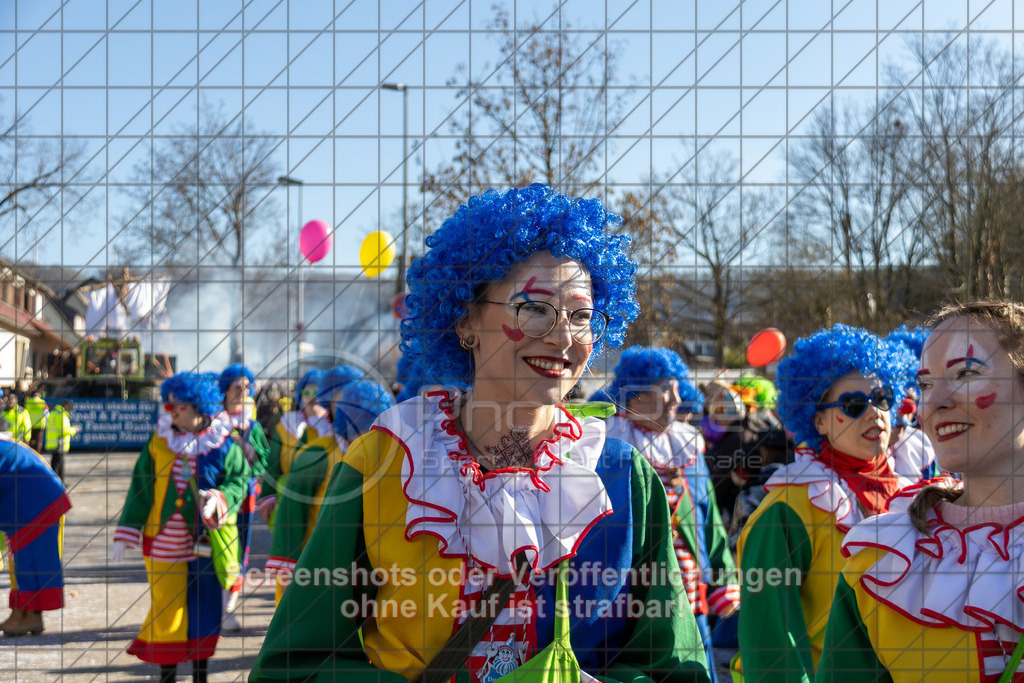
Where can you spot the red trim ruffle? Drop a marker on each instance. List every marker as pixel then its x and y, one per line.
pixel 37 601
pixel 174 653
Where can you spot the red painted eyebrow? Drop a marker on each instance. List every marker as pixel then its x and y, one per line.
pixel 924 371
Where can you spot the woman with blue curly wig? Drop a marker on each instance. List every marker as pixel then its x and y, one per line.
pixel 486 498
pixel 648 387
pixel 294 430
pixel 192 442
pixel 837 392
pixel 238 385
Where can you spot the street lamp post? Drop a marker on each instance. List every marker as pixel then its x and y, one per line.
pixel 403 254
pixel 288 181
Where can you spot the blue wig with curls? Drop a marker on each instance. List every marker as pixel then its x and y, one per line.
pixel 645 366
pixel 912 337
pixel 314 376
pixel 692 398
pixel 480 244
pixel 360 403
pixel 234 372
pixel 818 361
pixel 334 380
pixel 202 391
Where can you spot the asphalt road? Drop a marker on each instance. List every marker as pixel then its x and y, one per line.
pixel 106 602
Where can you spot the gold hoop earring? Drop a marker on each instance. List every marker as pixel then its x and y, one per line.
pixel 468 342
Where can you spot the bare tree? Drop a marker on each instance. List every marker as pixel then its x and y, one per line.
pixel 37 175
pixel 543 113
pixel 963 102
pixel 853 208
pixel 202 200
pixel 703 226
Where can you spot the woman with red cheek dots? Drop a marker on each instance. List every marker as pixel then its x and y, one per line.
pixel 516 529
pixel 932 591
pixel 837 391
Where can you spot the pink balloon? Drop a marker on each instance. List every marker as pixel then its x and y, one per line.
pixel 315 240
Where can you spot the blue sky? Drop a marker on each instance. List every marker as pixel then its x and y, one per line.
pixel 115 74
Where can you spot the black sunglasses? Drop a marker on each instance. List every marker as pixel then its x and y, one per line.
pixel 854 403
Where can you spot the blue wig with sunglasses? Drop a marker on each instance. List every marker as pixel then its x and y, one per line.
pixel 480 244
pixel 314 376
pixel 818 361
pixel 644 366
pixel 199 390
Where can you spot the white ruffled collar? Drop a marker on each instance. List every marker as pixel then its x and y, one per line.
pixel 241 419
pixel 969 577
pixel 194 443
pixel 676 447
pixel 492 516
pixel 826 490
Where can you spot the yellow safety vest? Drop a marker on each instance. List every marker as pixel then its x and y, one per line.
pixel 37 410
pixel 58 429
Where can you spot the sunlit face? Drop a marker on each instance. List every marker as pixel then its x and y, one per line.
pixel 972 402
pixel 237 392
pixel 864 437
pixel 184 416
pixel 655 408
pixel 510 366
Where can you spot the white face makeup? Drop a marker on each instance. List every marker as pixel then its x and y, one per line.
pixel 864 437
pixel 510 366
pixel 972 403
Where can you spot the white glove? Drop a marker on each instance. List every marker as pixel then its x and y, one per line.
pixel 117 550
pixel 208 508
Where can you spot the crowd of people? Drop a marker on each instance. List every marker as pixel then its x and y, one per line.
pixel 854 517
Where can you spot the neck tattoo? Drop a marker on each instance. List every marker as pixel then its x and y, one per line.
pixel 513 449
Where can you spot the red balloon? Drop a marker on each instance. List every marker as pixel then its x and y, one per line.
pixel 766 347
pixel 315 240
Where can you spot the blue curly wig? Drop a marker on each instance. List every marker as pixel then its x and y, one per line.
pixel 233 372
pixel 644 366
pixel 692 397
pixel 314 376
pixel 200 390
pixel 819 360
pixel 912 337
pixel 334 380
pixel 481 243
pixel 601 395
pixel 360 403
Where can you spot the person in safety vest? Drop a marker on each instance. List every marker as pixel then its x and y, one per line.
pixel 58 435
pixel 37 409
pixel 21 423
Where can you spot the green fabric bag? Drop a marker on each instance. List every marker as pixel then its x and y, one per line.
pixel 224 542
pixel 556 663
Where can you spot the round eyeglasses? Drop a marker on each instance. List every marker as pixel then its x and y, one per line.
pixel 537 318
pixel 854 403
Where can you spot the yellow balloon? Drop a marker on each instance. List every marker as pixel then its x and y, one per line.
pixel 377 253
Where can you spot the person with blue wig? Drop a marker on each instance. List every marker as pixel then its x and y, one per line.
pixel 332 382
pixel 358 406
pixel 292 433
pixel 238 385
pixel 837 392
pixel 912 455
pixel 190 475
pixel 647 388
pixel 495 497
